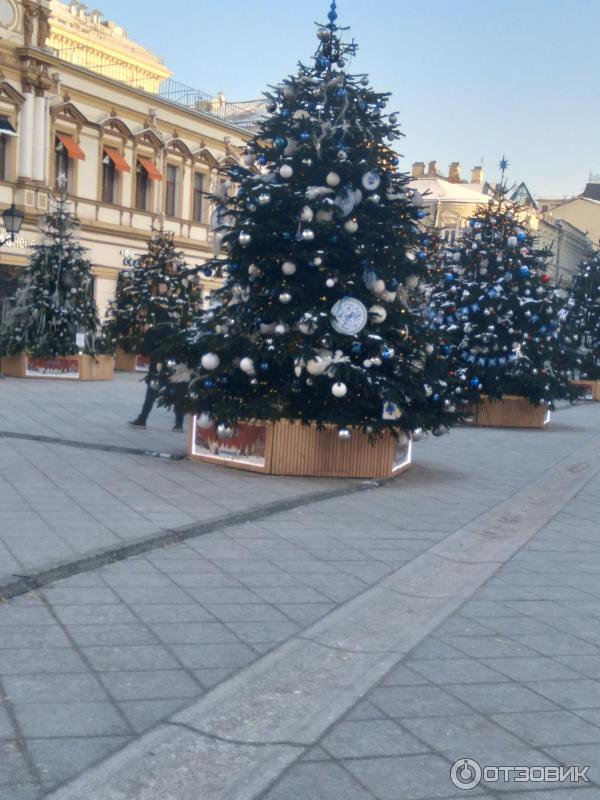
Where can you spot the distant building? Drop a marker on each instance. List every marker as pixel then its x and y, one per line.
pixel 583 211
pixel 569 246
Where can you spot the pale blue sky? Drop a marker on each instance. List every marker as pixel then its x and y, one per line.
pixel 470 78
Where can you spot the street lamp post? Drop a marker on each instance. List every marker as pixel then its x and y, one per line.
pixel 13 219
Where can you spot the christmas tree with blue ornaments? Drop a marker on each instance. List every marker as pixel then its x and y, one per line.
pixel 581 316
pixel 497 313
pixel 320 240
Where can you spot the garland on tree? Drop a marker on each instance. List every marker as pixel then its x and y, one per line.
pixel 54 300
pixel 160 289
pixel 321 243
pixel 497 315
pixel 582 317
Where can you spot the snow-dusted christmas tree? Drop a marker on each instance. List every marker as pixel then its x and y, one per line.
pixel 582 317
pixel 320 251
pixel 497 316
pixel 160 289
pixel 54 300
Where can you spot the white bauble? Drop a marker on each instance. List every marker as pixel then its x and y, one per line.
pixel 253 270
pixel 281 329
pixel 210 361
pixel 339 390
pixel 248 159
pixel 307 214
pixel 429 348
pixel 265 328
pixel 379 286
pixel 351 226
pixel 411 281
pixel 389 297
pixel 288 268
pixel 204 420
pixel 377 314
pixel 456 257
pixel 512 241
pixel 330 283
pixel 344 434
pixel 247 365
pixel 225 431
pixel 333 179
pixel 286 171
pixel 367 363
pixel 285 298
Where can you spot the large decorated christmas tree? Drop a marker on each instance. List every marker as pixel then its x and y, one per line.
pixel 582 316
pixel 497 314
pixel 157 290
pixel 54 301
pixel 321 246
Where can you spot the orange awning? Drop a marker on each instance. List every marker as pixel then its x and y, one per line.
pixel 153 173
pixel 120 164
pixel 71 146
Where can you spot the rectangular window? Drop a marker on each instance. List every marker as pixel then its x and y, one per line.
pixel 172 191
pixel 109 180
pixel 142 188
pixel 63 167
pixel 198 197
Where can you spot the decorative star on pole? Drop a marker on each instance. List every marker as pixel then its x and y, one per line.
pixel 503 165
pixel 332 16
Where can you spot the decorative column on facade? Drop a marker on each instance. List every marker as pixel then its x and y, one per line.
pixel 39 131
pixel 26 133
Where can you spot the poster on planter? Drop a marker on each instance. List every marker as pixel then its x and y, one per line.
pixel 403 455
pixel 142 363
pixel 57 367
pixel 246 446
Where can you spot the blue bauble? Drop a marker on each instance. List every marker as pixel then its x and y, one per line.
pixel 475 382
pixel 524 272
pixel 446 350
pixel 472 222
pixel 356 347
pixel 280 142
pixel 448 277
pixel 305 136
pixel 285 112
pixel 262 159
pixel 287 236
pixel 421 255
pixel 426 242
pixel 264 366
pixel 233 266
pixel 334 239
pixel 386 355
pixel 342 92
pixel 436 398
pixel 395 161
pixel 421 213
pixel 209 383
pixel 521 237
pixel 393 285
pixel 207 271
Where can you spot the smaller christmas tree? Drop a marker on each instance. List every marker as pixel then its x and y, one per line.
pixel 161 289
pixel 497 314
pixel 582 316
pixel 54 301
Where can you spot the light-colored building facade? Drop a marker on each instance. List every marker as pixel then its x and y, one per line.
pixel 569 246
pixel 133 160
pixel 582 211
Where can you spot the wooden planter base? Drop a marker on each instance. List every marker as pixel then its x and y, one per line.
pixel 592 388
pixel 287 448
pixel 510 412
pixel 130 362
pixel 66 368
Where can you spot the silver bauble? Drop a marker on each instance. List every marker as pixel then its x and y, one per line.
pixel 344 434
pixel 308 235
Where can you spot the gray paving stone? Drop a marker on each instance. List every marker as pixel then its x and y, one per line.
pixel 213 656
pixel 124 658
pixel 95 615
pixel 558 644
pixel 103 634
pixel 143 714
pixel 401 675
pixel 251 612
pixel 51 720
pixel 416 777
pixel 488 698
pixel 150 685
pixel 416 701
pixel 30 661
pixel 305 613
pixel 587 665
pixel 570 694
pixel 471 734
pixel 20 791
pixel 13 767
pixel 536 668
pixel 256 632
pixel 63 688
pixel 193 633
pixel 542 728
pixel 59 760
pixel 21 616
pixel 370 738
pixel 454 670
pixel 319 781
pixel 491 647
pixel 177 613
pixel 364 710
